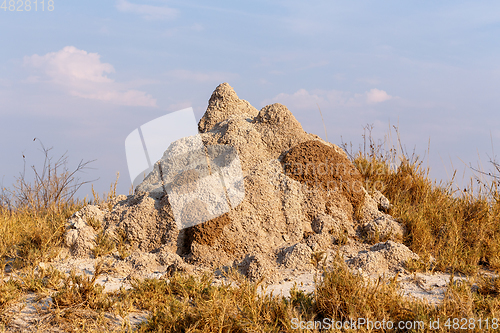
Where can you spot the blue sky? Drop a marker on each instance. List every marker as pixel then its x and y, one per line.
pixel 81 77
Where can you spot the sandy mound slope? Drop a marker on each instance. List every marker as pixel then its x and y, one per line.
pixel 299 195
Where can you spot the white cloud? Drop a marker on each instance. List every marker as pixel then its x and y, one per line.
pixel 72 64
pixel 303 99
pixel 377 96
pixel 146 11
pixel 82 74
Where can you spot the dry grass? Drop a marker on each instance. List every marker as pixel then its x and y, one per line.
pixel 34 213
pixel 193 304
pixel 460 229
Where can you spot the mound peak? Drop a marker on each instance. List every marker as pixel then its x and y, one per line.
pixel 223 103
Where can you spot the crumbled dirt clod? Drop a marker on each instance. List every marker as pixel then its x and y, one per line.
pixel 297 256
pixel 257 266
pixel 382 258
pixel 383 203
pixel 383 228
pixel 209 232
pixel 82 230
pixel 322 168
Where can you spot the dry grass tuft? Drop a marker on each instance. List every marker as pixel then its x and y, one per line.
pixel 192 304
pixel 460 229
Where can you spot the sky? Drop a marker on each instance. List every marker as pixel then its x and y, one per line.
pixel 79 76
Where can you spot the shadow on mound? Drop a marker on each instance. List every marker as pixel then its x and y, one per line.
pixel 208 233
